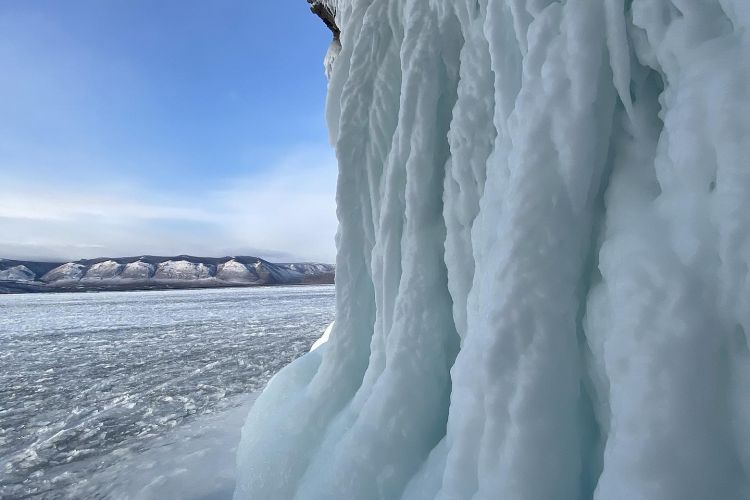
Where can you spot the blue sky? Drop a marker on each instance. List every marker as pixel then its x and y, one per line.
pixel 172 126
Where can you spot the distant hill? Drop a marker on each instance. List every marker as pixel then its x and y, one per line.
pixel 156 273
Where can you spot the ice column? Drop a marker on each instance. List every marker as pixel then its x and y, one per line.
pixel 543 256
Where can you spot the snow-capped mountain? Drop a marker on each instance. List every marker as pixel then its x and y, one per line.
pixel 17 273
pixel 151 272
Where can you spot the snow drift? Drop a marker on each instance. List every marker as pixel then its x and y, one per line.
pixel 543 255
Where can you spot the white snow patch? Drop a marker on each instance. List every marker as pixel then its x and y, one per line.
pixel 323 338
pixel 70 271
pixel 234 271
pixel 103 270
pixel 17 273
pixel 182 270
pixel 137 271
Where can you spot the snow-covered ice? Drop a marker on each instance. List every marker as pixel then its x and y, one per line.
pixel 323 338
pixel 543 285
pixel 140 395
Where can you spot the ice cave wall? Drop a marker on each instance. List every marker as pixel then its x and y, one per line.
pixel 543 254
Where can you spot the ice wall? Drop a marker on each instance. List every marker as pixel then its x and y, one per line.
pixel 543 254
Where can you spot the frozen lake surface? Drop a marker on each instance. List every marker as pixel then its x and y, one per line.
pixel 140 394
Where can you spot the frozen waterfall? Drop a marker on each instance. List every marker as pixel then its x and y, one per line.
pixel 543 255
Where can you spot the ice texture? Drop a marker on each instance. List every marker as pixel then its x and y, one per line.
pixel 543 254
pixel 323 338
pixel 93 384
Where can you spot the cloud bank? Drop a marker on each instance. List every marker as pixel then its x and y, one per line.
pixel 282 211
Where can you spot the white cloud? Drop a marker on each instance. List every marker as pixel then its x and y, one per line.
pixel 291 208
pixel 287 211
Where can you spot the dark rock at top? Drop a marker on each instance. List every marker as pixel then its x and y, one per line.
pixel 327 14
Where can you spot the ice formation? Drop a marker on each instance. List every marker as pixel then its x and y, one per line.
pixel 543 253
pixel 323 338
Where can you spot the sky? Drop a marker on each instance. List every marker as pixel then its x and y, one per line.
pixel 131 127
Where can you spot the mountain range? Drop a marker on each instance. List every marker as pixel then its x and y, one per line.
pixel 156 273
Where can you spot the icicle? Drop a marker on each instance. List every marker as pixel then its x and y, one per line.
pixel 542 274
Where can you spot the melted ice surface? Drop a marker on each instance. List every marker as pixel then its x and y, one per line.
pixel 116 393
